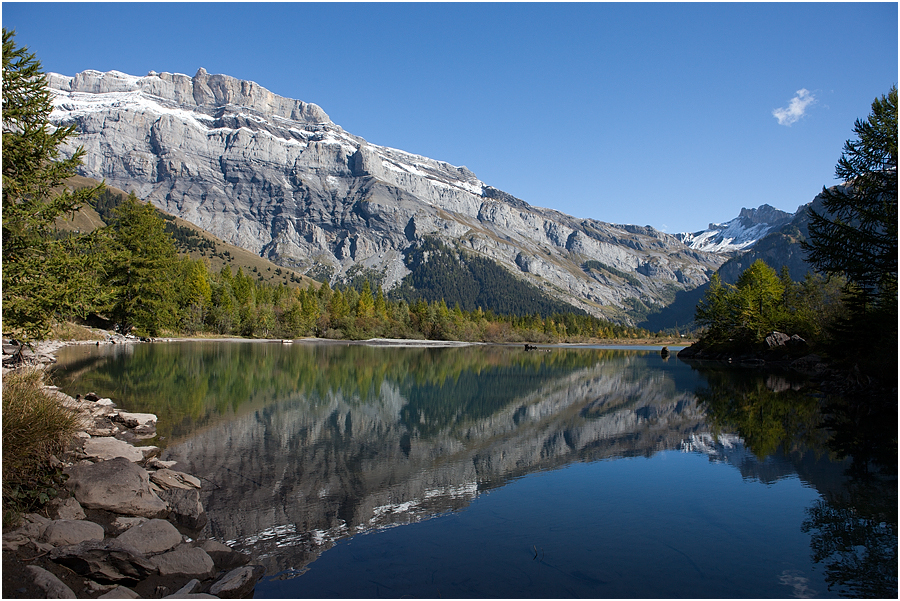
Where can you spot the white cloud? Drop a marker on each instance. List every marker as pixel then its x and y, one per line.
pixel 796 109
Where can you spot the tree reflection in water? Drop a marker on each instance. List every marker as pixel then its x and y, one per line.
pixel 854 530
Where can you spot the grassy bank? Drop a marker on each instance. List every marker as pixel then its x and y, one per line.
pixel 36 427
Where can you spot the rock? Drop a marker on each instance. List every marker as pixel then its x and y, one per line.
pixel 153 536
pixel 65 509
pixel 50 584
pixel 796 341
pixel 117 485
pixel 13 540
pixel 167 478
pixel 184 561
pixel 33 525
pixel 109 560
pixel 102 428
pixel 120 592
pixel 105 448
pixel 776 339
pixel 60 533
pixel 133 420
pixel 224 556
pixel 92 396
pixel 238 583
pixel 122 523
pixel 185 507
pixel 192 586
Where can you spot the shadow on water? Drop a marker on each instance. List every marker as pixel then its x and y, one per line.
pixel 853 527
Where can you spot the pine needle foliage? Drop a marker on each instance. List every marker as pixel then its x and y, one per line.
pixel 43 273
pixel 856 237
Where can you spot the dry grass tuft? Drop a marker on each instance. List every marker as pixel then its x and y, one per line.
pixel 35 427
pixel 66 330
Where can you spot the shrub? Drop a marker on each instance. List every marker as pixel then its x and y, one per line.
pixel 35 427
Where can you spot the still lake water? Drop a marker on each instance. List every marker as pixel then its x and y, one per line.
pixel 488 471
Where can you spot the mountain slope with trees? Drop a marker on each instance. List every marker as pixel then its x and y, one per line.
pixel 850 312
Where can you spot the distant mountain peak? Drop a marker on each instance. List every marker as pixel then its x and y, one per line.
pixel 740 233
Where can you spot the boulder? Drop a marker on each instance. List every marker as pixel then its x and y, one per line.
pixel 192 586
pixel 796 341
pixel 122 523
pixel 109 560
pixel 53 587
pixel 166 478
pixel 61 533
pixel 105 448
pixel 120 592
pixel 117 485
pixel 133 420
pixel 153 536
pixel 238 583
pixel 224 556
pixel 184 561
pixel 776 339
pixel 157 463
pixel 65 509
pixel 185 508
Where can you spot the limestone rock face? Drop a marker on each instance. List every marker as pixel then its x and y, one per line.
pixel 278 177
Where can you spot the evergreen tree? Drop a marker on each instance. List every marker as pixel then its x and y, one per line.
pixel 758 301
pixel 196 294
pixel 43 274
pixel 856 237
pixel 143 270
pixel 365 306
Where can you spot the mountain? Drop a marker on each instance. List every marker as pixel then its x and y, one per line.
pixel 778 247
pixel 277 177
pixel 738 234
pixel 189 239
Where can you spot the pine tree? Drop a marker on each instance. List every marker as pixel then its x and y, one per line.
pixel 43 274
pixel 365 306
pixel 143 270
pixel 856 236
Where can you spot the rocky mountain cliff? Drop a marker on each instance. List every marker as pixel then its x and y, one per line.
pixel 740 233
pixel 276 176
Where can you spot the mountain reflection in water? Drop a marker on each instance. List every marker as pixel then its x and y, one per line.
pixel 305 445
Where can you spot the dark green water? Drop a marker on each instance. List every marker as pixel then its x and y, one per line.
pixel 362 471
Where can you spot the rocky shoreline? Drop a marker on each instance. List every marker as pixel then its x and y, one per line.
pixel 127 525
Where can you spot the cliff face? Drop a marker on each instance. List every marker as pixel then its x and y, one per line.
pixel 277 177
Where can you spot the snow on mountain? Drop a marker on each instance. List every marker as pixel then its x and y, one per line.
pixel 278 177
pixel 738 234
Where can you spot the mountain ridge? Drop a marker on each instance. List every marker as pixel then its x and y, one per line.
pixel 276 176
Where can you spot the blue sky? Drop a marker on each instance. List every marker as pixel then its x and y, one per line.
pixel 671 115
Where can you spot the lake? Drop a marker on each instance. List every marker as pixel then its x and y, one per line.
pixel 487 471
